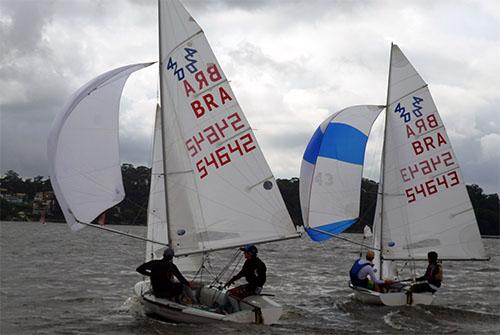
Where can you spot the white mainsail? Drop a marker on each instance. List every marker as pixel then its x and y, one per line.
pixel 330 175
pixel 220 190
pixel 425 204
pixel 83 148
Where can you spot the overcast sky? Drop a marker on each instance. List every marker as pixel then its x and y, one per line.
pixel 291 64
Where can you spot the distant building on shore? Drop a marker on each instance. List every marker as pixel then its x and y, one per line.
pixel 43 201
pixel 13 198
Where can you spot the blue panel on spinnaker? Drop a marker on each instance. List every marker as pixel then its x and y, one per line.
pixel 312 150
pixel 332 228
pixel 344 143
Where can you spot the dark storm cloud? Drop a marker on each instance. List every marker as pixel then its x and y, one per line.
pixel 39 72
pixel 291 63
pixel 22 33
pixel 25 83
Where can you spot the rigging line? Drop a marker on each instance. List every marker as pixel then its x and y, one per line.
pixel 226 267
pixel 139 212
pixel 236 265
pixel 119 232
pixel 344 239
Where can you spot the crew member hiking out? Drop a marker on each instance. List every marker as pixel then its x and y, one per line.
pixel 431 280
pixel 254 271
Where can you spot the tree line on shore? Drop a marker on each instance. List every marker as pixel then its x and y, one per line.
pixel 133 209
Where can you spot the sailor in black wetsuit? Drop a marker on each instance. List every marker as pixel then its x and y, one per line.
pixel 162 272
pixel 254 271
pixel 431 280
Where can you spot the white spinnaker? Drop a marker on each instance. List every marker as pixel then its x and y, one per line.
pixel 425 202
pixel 157 215
pixel 83 148
pixel 332 168
pixel 218 197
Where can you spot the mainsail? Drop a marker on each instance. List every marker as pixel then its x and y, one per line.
pixel 83 148
pixel 330 175
pixel 425 205
pixel 220 190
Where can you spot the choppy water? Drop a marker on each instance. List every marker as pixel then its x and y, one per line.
pixel 54 281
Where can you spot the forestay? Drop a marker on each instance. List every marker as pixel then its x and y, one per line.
pixel 83 148
pixel 425 201
pixel 157 216
pixel 220 190
pixel 331 171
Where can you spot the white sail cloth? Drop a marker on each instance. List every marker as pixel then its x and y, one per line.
pixel 157 215
pixel 331 171
pixel 83 148
pixel 425 201
pixel 157 230
pixel 220 190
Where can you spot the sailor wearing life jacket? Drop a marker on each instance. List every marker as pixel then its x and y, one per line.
pixel 362 269
pixel 431 280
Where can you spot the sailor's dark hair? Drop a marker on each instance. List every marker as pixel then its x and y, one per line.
pixel 432 255
pixel 168 253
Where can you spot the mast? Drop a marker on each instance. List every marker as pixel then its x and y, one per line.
pixel 163 127
pixel 382 167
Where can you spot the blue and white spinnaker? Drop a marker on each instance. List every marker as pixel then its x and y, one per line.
pixel 331 171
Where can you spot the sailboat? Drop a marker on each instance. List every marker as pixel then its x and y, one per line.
pixel 211 187
pixel 422 201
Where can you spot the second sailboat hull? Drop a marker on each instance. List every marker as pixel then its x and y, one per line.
pixel 391 298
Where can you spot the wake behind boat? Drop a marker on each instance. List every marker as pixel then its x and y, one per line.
pixel 422 202
pixel 211 188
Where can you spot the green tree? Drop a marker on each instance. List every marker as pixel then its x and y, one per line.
pixel 486 209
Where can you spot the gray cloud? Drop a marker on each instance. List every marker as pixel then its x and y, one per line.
pixel 291 64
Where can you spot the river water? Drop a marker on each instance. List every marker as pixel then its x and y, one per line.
pixel 54 281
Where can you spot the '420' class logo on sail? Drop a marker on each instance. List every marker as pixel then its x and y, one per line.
pixel 428 139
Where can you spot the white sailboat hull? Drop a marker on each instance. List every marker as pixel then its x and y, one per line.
pixel 390 298
pixel 254 309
